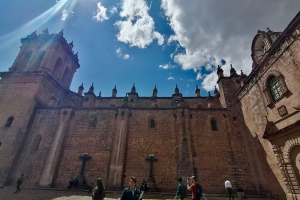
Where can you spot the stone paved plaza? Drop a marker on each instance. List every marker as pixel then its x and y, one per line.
pixel 7 193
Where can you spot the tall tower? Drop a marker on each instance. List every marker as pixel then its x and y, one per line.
pixel 49 53
pixel 40 75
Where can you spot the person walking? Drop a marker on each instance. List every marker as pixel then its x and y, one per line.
pixel 131 192
pixel 99 191
pixel 180 193
pixel 228 188
pixel 195 187
pixel 19 183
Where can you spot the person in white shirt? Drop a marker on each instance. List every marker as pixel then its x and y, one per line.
pixel 228 187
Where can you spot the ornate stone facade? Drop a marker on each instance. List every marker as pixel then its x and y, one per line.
pixel 241 133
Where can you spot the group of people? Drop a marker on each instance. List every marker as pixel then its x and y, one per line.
pixel 132 193
pixel 240 191
pixel 129 193
pixel 197 191
pixel 192 185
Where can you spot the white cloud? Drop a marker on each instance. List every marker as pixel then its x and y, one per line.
pixel 210 81
pixel 199 76
pixel 171 78
pixel 64 15
pixel 101 13
pixel 138 27
pixel 118 52
pixel 167 66
pixel 113 10
pixel 212 30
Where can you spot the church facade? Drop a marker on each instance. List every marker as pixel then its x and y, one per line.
pixel 248 131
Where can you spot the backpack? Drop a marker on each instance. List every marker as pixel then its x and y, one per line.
pixel 199 191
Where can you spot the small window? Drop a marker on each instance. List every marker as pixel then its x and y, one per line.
pixel 275 88
pixel 152 123
pixel 93 123
pixel 9 122
pixel 214 125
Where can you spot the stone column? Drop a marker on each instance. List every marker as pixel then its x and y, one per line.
pixel 118 151
pixel 56 146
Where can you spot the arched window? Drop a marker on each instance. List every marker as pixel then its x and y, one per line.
pixel 152 123
pixel 213 125
pixel 275 88
pixel 26 59
pixel 57 67
pixel 38 60
pixel 9 122
pixel 66 76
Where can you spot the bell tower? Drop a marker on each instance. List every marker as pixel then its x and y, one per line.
pixel 39 77
pixel 49 53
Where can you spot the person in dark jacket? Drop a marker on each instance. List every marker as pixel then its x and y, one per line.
pixel 19 183
pixel 98 192
pixel 181 190
pixel 131 192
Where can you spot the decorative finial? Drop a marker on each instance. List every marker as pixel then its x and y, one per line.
pixel 100 94
pixel 91 88
pixel 232 70
pixel 209 94
pixel 242 72
pixel 71 44
pixel 216 90
pixel 46 32
pixel 81 86
pixel 61 33
pixel 133 88
pixel 197 91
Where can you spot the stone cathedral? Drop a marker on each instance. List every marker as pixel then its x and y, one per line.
pixel 248 131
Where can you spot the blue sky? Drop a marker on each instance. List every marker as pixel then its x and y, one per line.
pixel 157 42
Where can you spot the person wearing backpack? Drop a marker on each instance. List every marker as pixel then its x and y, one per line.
pixel 180 190
pixel 195 187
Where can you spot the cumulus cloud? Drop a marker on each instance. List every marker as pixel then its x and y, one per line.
pixel 101 13
pixel 137 29
pixel 64 15
pixel 212 30
pixel 126 56
pixel 171 78
pixel 167 66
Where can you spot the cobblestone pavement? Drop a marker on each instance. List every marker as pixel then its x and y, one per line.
pixel 7 193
